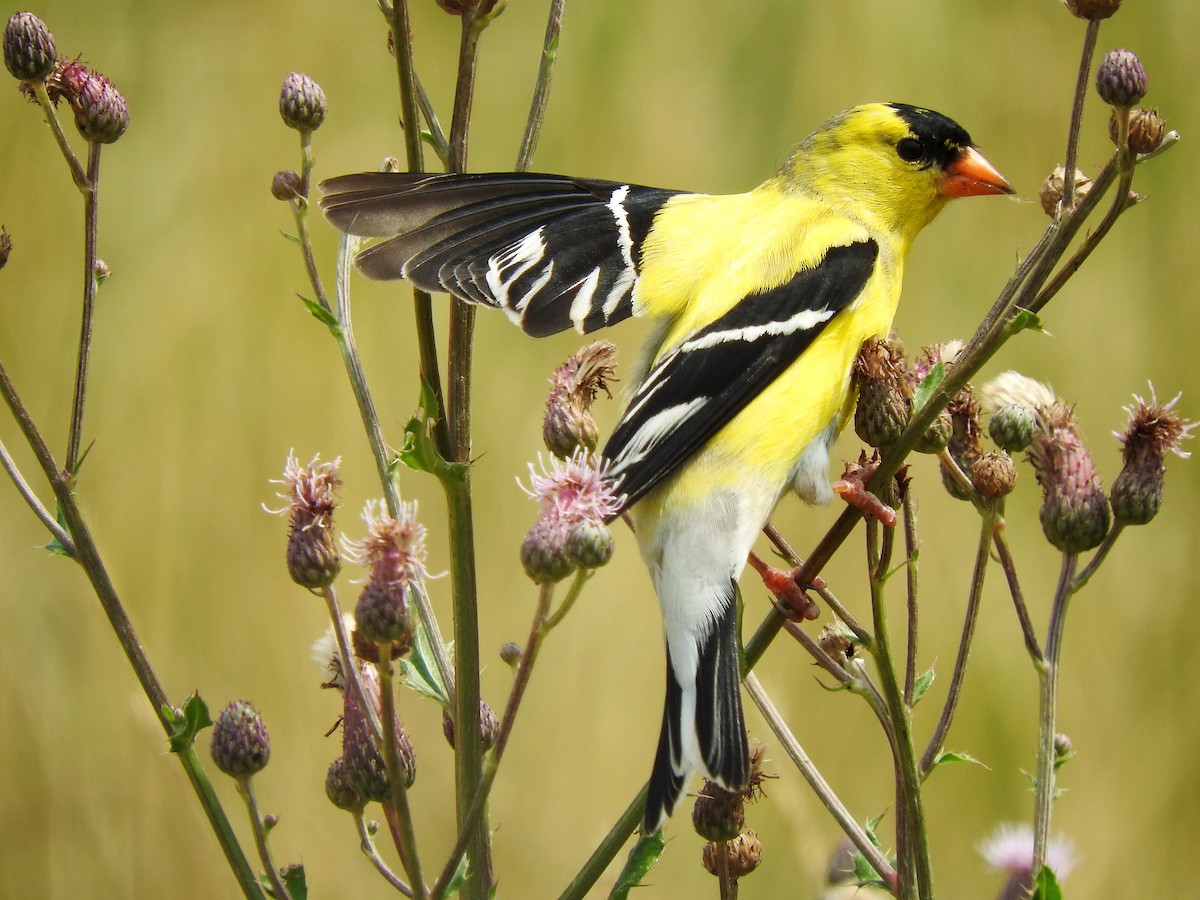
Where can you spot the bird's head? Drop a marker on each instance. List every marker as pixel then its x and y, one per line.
pixel 892 163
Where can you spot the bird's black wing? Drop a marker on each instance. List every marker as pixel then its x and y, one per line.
pixel 698 387
pixel 552 252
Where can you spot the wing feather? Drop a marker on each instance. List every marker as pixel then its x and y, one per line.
pixel 552 252
pixel 698 386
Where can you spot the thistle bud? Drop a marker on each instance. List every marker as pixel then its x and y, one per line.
pixel 1147 128
pixel 742 855
pixel 488 726
pixel 382 616
pixel 993 475
pixel 1012 427
pixel 341 790
pixel 884 393
pixel 544 551
pixel 312 554
pixel 240 745
pixel 510 652
pixel 101 113
pixel 29 51
pixel 1092 9
pixel 302 103
pixel 364 764
pixel 568 424
pixel 1074 514
pixel 1051 193
pixel 286 185
pixel 589 544
pixel 1154 428
pixel 1062 747
pixel 936 436
pixel 718 815
pixel 101 272
pixel 1121 79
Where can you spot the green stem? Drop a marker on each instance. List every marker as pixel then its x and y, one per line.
pixel 31 499
pixel 407 838
pixel 1044 783
pixel 367 845
pixel 1004 555
pixel 915 876
pixel 1101 554
pixel 625 826
pixel 1081 88
pixel 48 110
pixel 829 799
pixel 468 754
pixel 911 584
pixel 246 789
pixel 954 693
pixel 537 632
pixel 91 223
pixel 370 419
pixel 88 557
pixel 541 90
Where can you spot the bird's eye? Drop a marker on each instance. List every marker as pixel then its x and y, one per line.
pixel 910 149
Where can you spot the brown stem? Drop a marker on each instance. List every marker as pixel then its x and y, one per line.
pixel 91 221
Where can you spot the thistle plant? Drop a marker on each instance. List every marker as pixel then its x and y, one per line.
pixel 984 442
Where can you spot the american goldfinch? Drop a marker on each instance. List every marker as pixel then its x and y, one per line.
pixel 763 301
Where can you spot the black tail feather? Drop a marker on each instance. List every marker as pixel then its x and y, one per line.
pixel 720 725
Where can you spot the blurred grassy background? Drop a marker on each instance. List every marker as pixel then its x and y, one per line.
pixel 207 370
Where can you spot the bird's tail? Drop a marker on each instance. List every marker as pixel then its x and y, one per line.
pixel 705 714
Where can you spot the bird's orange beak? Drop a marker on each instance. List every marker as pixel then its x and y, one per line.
pixel 972 176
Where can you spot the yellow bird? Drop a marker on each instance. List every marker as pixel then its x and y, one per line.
pixel 763 299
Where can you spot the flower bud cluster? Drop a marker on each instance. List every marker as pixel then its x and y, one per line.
pixel 719 816
pixel 578 500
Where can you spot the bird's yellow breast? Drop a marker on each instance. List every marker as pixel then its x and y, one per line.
pixel 705 255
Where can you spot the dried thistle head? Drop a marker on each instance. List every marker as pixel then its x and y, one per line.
pixel 568 424
pixel 884 384
pixel 1153 430
pixel 1147 129
pixel 1051 192
pixel 742 855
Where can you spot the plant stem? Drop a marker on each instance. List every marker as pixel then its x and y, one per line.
pixel 820 786
pixel 77 174
pixel 1044 783
pixel 32 501
pixel 407 838
pixel 913 870
pixel 367 844
pixel 537 632
pixel 909 510
pixel 349 664
pixel 1100 555
pixel 954 693
pixel 91 221
pixel 88 557
pixel 245 787
pixel 1004 554
pixel 468 754
pixel 1081 86
pixel 370 419
pixel 541 90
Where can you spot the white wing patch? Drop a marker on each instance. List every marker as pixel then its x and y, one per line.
pixel 652 431
pixel 801 321
pixel 511 263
